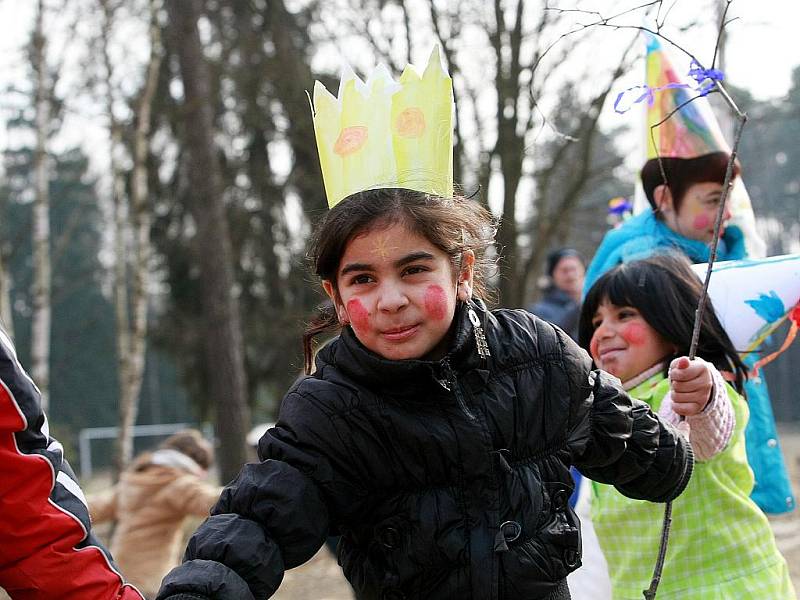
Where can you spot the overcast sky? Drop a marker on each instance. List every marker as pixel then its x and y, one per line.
pixel 762 51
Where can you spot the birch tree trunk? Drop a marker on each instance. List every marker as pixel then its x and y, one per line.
pixel 140 223
pixel 41 319
pixel 6 313
pixel 132 237
pixel 123 445
pixel 222 336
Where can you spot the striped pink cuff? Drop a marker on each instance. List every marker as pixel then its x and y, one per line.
pixel 711 429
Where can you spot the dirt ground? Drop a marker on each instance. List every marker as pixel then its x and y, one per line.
pixel 321 578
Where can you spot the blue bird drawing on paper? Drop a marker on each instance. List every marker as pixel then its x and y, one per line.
pixel 768 306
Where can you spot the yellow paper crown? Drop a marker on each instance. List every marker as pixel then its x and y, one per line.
pixel 384 133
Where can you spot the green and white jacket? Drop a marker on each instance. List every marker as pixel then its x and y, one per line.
pixel 720 547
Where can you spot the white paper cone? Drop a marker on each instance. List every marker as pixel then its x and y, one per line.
pixel 753 297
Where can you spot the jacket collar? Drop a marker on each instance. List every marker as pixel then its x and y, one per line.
pixel 731 245
pixel 405 377
pixel 644 376
pixel 558 296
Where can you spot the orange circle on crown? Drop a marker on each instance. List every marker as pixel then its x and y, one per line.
pixel 410 123
pixel 351 139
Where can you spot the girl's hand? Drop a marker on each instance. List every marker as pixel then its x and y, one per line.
pixel 691 385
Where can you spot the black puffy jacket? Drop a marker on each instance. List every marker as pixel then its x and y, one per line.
pixel 447 479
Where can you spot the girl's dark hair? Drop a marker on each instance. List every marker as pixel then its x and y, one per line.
pixel 453 225
pixel 665 290
pixel 682 173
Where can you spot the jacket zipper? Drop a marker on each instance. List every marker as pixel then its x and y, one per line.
pixel 450 383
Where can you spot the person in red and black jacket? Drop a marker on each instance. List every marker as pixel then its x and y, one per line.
pixel 47 550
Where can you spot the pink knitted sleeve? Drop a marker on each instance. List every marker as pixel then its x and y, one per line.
pixel 711 429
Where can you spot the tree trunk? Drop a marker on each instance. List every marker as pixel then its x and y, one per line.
pixel 123 445
pixel 510 146
pixel 222 337
pixel 6 313
pixel 42 280
pixel 131 227
pixel 140 221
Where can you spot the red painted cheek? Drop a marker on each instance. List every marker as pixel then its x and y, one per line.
pixel 635 334
pixel 701 222
pixel 435 302
pixel 593 347
pixel 359 316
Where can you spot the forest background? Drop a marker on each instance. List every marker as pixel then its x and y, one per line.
pixel 160 177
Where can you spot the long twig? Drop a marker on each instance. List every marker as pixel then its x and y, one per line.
pixel 726 185
pixel 650 593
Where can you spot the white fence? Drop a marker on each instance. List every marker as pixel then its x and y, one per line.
pixel 86 436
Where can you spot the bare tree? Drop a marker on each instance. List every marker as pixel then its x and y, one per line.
pixel 222 335
pixel 510 145
pixel 131 231
pixel 42 277
pixel 554 206
pixel 723 112
pixel 499 85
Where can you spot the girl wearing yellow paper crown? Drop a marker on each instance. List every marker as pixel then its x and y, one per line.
pixel 434 434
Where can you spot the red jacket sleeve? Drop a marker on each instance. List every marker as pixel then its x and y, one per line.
pixel 46 547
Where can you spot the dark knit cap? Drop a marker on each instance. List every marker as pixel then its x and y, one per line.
pixel 556 255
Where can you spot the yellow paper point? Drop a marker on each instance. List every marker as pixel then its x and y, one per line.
pixel 385 133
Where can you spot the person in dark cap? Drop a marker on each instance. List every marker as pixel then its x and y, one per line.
pixel 561 302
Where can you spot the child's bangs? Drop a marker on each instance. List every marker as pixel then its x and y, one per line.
pixel 616 287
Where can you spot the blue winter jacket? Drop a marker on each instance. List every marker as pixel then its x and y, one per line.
pixel 644 235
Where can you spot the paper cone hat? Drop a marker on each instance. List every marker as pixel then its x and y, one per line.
pixel 690 132
pixel 752 298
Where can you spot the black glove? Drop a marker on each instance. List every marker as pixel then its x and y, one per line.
pixel 187 597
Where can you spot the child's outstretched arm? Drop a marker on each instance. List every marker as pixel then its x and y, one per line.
pixel 625 444
pixel 274 516
pixel 698 392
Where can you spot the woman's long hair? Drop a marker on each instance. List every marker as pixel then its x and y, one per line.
pixel 665 290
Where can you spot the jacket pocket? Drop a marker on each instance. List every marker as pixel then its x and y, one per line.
pixel 532 567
